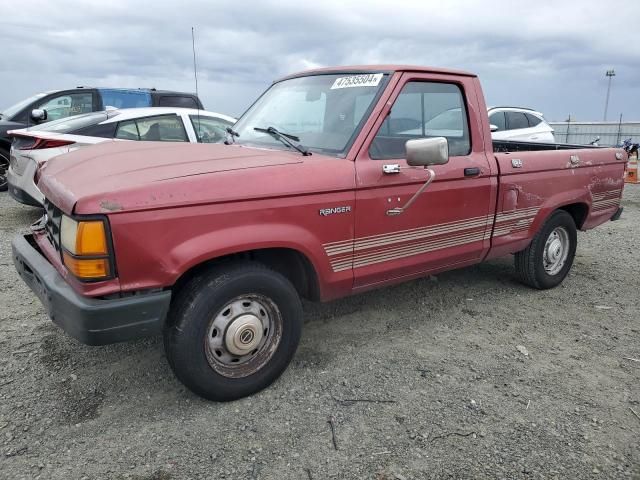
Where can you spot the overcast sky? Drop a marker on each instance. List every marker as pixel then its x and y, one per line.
pixel 548 55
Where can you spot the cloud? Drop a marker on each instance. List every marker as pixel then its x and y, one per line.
pixel 548 55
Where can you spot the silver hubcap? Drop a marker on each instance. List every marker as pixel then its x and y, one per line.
pixel 243 336
pixel 556 250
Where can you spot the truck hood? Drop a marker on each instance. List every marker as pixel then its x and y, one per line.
pixel 121 176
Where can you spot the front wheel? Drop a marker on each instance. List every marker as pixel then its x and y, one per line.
pixel 232 331
pixel 548 258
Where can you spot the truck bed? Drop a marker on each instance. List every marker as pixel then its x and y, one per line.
pixel 503 146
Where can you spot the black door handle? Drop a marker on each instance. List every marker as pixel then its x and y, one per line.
pixel 471 172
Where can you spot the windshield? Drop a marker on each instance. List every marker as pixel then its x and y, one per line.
pixel 324 111
pixel 71 124
pixel 12 110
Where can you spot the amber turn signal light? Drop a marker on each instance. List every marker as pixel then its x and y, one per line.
pixel 91 239
pixel 86 268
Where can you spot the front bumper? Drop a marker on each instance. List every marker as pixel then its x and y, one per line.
pixel 91 321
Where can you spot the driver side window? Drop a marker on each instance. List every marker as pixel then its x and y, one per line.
pixel 66 105
pixel 423 110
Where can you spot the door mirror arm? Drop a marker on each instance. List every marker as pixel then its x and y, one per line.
pixel 397 211
pixel 422 152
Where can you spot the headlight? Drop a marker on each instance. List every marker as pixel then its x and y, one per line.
pixel 85 250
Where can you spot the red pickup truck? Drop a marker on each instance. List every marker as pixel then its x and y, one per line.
pixel 335 181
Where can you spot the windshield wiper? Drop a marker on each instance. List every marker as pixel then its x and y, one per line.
pixel 230 133
pixel 285 138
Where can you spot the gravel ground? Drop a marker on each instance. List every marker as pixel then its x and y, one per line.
pixel 464 375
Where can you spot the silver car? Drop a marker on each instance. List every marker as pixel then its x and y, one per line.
pixel 33 147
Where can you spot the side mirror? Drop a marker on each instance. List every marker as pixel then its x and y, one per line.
pixel 494 128
pixel 39 114
pixel 423 152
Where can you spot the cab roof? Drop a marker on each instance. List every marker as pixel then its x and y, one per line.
pixel 384 68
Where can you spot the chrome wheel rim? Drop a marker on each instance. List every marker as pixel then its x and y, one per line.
pixel 556 250
pixel 243 336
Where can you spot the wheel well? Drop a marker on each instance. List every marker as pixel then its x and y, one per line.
pixel 290 263
pixel 578 211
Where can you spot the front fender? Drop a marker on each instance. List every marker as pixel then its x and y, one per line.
pixel 154 249
pixel 211 245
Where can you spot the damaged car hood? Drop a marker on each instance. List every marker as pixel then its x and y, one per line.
pixel 117 176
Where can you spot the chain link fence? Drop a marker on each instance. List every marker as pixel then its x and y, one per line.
pixel 583 133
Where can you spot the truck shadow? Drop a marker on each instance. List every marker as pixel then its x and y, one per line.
pixel 453 285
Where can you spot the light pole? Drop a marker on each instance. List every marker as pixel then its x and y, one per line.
pixel 610 73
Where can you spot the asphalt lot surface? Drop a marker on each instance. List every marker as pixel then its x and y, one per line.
pixel 465 375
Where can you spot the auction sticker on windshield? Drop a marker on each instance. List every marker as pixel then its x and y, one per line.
pixel 370 80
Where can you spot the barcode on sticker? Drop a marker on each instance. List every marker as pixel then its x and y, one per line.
pixel 370 80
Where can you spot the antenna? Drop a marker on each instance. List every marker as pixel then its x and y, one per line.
pixel 195 76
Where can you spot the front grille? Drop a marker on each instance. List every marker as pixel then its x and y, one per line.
pixel 54 219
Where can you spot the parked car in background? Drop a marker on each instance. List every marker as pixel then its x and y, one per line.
pixel 519 124
pixel 515 123
pixel 57 104
pixel 33 146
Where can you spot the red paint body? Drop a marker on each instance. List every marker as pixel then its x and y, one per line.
pixel 172 207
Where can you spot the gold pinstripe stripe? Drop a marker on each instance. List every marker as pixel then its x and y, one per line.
pixel 509 229
pixel 408 250
pixel 461 235
pixel 605 205
pixel 603 199
pixel 460 238
pixel 419 235
pixel 602 195
pixel 500 217
pixel 432 246
pixel 381 248
pixel 444 226
pixel 405 237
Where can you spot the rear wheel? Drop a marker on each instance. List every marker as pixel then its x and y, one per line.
pixel 548 258
pixel 4 167
pixel 233 331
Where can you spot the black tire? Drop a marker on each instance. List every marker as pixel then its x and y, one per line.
pixel 530 262
pixel 191 318
pixel 4 167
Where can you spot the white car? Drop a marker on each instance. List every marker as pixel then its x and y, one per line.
pixel 507 123
pixel 33 146
pixel 513 123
